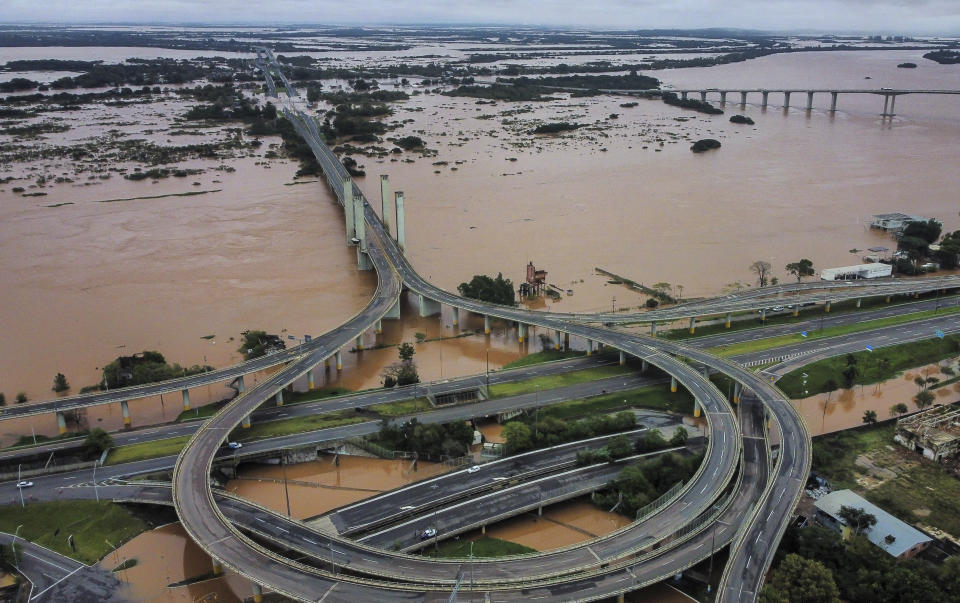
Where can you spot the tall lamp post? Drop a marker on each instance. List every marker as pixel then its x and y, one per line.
pixel 19 487
pixel 713 548
pixel 16 559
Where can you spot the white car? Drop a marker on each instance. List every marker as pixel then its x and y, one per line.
pixel 24 484
pixel 428 533
pixel 473 469
pixel 234 445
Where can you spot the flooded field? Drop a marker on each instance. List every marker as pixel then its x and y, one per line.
pixel 560 525
pixel 844 408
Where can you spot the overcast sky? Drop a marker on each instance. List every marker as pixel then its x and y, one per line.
pixel 881 16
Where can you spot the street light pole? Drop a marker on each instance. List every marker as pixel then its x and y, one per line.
pixel 286 490
pixel 488 372
pixel 16 560
pixel 95 490
pixel 19 487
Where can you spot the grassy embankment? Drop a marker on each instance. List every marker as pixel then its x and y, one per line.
pixel 548 382
pixel 91 523
pixel 483 547
pixel 289 399
pixel 876 366
pixel 767 343
pixel 918 490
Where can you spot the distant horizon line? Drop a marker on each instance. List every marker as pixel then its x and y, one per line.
pixel 465 24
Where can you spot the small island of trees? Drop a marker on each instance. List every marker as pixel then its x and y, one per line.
pixel 494 290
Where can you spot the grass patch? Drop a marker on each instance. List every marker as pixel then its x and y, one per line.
pixel 834 454
pixel 91 523
pixel 298 425
pixel 760 345
pixel 200 412
pixel 315 394
pixel 186 194
pixel 656 397
pixel 403 407
pixel 541 357
pixel 126 565
pixel 146 450
pixel 873 367
pixel 484 547
pixel 553 381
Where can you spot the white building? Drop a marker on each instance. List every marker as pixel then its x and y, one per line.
pixel 895 537
pixel 859 271
pixel 896 222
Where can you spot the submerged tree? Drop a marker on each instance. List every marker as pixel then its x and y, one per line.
pixel 60 383
pixel 762 270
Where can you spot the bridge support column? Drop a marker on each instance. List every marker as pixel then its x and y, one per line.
pixel 826 306
pixel 347 184
pixel 723 97
pixel 623 358
pixel 743 98
pixel 888 299
pixel 61 423
pixel 737 390
pixel 401 229
pixel 683 95
pixel 360 227
pixel 339 360
pixel 257 593
pixel 589 347
pixel 859 300
pixel 310 382
pixel 556 342
pixel 893 104
pixel 456 316
pixel 385 202
pixel 620 599
pixel 703 96
pixel 378 328
pixel 125 409
pixel 673 384
pixel 643 366
pixel 765 95
pixel 653 329
pixel 809 101
pixel 786 99
pixel 566 341
pixel 763 315
pixel 279 397
pixel 693 324
pixel 240 387
pixel 726 325
pixel 428 307
pixel 246 422
pixel 186 398
pixel 486 324
pixel 217 568
pixel 483 529
pixel 359 342
pixel 696 408
pixel 833 102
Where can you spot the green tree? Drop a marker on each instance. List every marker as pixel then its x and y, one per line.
pixel 857 519
pixel 650 442
pixel 406 351
pixel 923 399
pixel 518 436
pixel 762 270
pixel 801 269
pixel 869 416
pixel 949 254
pixel 850 374
pixel 679 437
pixel 96 442
pixel 921 382
pixel 21 397
pixel 619 447
pixel 3 399
pixel 259 343
pixel 494 290
pixel 800 580
pixel 60 383
pixel 898 409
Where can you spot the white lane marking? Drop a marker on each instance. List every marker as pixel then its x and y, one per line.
pixel 42 560
pixel 56 583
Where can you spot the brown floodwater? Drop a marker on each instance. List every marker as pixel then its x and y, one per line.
pixel 843 409
pixel 320 486
pixel 165 556
pixel 560 525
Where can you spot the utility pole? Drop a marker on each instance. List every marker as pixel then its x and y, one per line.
pixel 95 491
pixel 286 490
pixel 19 487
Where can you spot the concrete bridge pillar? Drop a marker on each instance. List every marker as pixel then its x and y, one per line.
pixel 693 324
pixel 809 101
pixel 339 357
pixel 521 331
pixel 703 96
pixel 486 324
pixel 723 97
pixel 257 593
pixel 643 366
pixel 240 387
pixel 556 342
pixel 428 307
pixel 859 300
pixel 796 310
pixel 653 329
pixel 673 384
pixel 737 390
pixel 623 358
pixel 217 567
pixel 566 341
pixel 125 409
pixel 246 422
pixel 726 325
pixel 279 397
pixel 696 409
pixel 589 347
pixel 888 299
pixel 359 342
pixel 826 306
pixel 683 95
pixel 833 102
pixel 401 229
pixel 186 398
pixel 893 104
pixel 763 315
pixel 743 98
pixel 765 96
pixel 347 184
pixel 385 202
pixel 61 423
pixel 786 99
pixel 379 327
pixel 310 381
pixel 456 316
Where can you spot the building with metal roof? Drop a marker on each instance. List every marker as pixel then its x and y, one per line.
pixel 897 538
